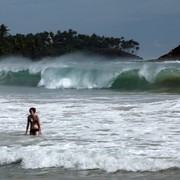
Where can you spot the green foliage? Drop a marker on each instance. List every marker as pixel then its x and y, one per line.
pixel 45 44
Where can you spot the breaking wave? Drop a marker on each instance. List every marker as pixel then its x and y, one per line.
pixel 81 159
pixel 80 71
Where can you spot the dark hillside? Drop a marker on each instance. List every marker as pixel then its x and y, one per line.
pixel 49 44
pixel 172 55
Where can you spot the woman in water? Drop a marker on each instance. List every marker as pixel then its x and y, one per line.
pixel 34 122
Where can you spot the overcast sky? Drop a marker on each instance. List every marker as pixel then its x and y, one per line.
pixel 155 24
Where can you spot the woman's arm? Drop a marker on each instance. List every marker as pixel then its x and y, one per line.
pixel 39 125
pixel 27 126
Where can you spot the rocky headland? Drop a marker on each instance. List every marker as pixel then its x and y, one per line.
pixel 174 54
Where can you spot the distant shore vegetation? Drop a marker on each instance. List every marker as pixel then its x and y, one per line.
pixel 49 44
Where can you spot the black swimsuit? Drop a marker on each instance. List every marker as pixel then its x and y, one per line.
pixel 33 131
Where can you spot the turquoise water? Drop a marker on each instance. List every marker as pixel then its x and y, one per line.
pixel 78 71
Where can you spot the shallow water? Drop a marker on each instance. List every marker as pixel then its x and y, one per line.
pixel 90 134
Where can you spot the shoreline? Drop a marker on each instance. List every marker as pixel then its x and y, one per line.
pixel 14 172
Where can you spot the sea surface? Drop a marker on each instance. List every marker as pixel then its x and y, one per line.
pixel 101 119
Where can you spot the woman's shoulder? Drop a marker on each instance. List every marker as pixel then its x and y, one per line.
pixel 29 116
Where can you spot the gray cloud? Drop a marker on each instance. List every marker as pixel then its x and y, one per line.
pixel 143 20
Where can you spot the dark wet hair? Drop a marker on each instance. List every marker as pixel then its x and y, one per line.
pixel 32 109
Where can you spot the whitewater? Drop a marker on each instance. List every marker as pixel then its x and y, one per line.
pixel 101 118
pixel 79 71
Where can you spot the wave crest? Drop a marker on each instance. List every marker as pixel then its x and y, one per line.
pixel 81 72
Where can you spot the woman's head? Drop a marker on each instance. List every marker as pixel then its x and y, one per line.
pixel 32 109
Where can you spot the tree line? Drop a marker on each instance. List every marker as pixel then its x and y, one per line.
pixel 51 44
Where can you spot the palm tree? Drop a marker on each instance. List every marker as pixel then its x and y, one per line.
pixel 3 31
pixel 4 45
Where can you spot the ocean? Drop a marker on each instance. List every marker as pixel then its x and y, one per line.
pixel 101 118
